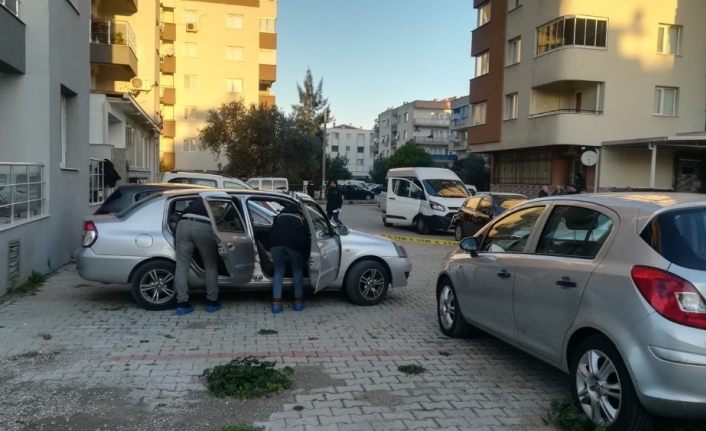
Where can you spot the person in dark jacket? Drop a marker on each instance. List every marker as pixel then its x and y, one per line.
pixel 311 189
pixel 334 201
pixel 579 182
pixel 194 231
pixel 289 237
pixel 544 192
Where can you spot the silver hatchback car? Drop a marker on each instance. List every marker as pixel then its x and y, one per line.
pixel 609 288
pixel 136 246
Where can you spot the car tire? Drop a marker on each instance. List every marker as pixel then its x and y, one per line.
pixel 368 197
pixel 458 232
pixel 600 351
pixel 451 320
pixel 421 225
pixel 385 223
pixel 367 283
pixel 155 275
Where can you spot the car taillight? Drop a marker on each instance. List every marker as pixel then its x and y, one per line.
pixel 671 296
pixel 90 234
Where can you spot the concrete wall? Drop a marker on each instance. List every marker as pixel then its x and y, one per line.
pixel 631 168
pixel 30 131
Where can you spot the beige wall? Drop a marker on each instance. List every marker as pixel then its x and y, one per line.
pixel 631 168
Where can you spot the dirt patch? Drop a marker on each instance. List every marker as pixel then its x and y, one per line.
pixel 380 399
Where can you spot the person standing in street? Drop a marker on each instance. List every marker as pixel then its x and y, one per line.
pixel 544 192
pixel 311 189
pixel 334 201
pixel 579 182
pixel 289 237
pixel 194 231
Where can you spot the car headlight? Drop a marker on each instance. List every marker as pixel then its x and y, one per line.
pixel 401 252
pixel 436 207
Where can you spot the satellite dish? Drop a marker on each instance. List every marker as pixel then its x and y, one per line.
pixel 589 158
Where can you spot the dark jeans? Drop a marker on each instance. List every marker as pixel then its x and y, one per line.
pixel 333 216
pixel 279 255
pixel 192 235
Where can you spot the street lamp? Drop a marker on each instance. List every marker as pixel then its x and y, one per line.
pixel 323 154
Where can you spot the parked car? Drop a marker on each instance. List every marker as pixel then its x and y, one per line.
pixel 608 288
pixel 478 210
pixel 136 247
pixel 127 194
pixel 267 184
pixel 472 189
pixel 205 179
pixel 353 192
pixel 376 188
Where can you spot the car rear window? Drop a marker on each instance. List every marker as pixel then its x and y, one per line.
pixel 679 236
pixel 117 194
pixel 504 203
pixel 126 212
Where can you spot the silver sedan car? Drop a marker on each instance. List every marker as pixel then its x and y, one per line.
pixel 609 288
pixel 136 247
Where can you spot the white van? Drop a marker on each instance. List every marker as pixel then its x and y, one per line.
pixel 205 179
pixel 427 198
pixel 280 184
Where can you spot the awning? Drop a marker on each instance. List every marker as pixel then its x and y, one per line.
pixel 135 111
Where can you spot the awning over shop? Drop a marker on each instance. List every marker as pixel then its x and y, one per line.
pixel 135 111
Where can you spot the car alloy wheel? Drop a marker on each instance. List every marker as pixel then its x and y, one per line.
pixel 368 197
pixel 422 225
pixel 157 286
pixel 372 284
pixel 447 307
pixel 598 387
pixel 458 232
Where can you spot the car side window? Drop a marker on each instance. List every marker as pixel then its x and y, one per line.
pixel 574 232
pixel 485 204
pixel 280 184
pixel 400 187
pixel 227 216
pixel 254 184
pixel 322 229
pixel 179 180
pixel 510 234
pixel 266 185
pixel 472 203
pixel 141 195
pixel 232 185
pixel 203 182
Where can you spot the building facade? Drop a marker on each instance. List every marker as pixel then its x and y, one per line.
pixel 354 143
pixel 44 163
pixel 458 126
pixel 212 52
pixel 424 122
pixel 560 78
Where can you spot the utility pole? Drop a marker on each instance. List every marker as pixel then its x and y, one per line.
pixel 323 156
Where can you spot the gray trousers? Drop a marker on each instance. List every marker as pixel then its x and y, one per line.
pixel 189 235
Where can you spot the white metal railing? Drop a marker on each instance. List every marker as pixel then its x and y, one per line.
pixel 12 5
pixel 112 32
pixel 96 183
pixel 432 121
pixel 21 192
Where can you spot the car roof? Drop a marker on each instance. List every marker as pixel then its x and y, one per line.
pixel 274 194
pixel 649 201
pixel 152 186
pixel 501 194
pixel 199 174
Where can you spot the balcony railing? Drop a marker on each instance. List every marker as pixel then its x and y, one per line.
pixel 566 111
pixel 12 5
pixel 426 140
pixel 112 32
pixel 431 121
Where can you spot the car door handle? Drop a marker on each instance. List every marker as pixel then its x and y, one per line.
pixel 504 274
pixel 566 282
pixel 392 199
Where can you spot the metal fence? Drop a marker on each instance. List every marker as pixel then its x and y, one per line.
pixel 112 32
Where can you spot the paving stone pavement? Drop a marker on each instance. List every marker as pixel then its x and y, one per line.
pixel 91 338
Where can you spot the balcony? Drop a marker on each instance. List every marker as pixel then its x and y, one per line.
pixel 439 122
pixel 168 65
pixel 429 141
pixel 169 128
pixel 168 32
pixel 567 97
pixel 268 73
pixel 460 123
pixel 267 98
pixel 167 95
pixel 117 7
pixel 12 38
pixel 114 47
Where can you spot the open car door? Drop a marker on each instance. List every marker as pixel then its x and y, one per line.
pixel 325 259
pixel 235 246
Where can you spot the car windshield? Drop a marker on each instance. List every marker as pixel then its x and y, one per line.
pixel 504 203
pixel 446 188
pixel 680 237
pixel 124 213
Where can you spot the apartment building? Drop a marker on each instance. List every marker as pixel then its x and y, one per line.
pixel 213 51
pixel 44 100
pixel 355 143
pixel 424 122
pixel 620 86
pixel 458 126
pixel 124 103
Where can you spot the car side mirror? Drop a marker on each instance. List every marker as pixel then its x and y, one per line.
pixel 485 211
pixel 469 245
pixel 342 230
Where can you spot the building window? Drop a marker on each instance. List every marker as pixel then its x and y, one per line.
pixel 406 117
pixel 666 101
pixel 514 4
pixel 234 85
pixel 68 116
pixel 484 14
pixel 191 82
pixel 190 113
pixel 137 145
pixel 334 148
pixel 361 150
pixel 572 31
pixel 478 113
pixel 511 106
pixel 268 56
pixel 235 53
pixel 21 192
pixel 404 135
pixel 334 135
pixel 482 64
pixel 267 25
pixel 191 16
pixel 235 21
pixel 361 138
pixel 360 162
pixel 191 49
pixel 64 143
pixel 513 51
pixel 523 168
pixel 348 136
pixel 668 39
pixel 190 145
pixel 96 182
pixel 348 149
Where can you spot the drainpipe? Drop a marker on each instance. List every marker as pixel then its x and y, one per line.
pixel 653 167
pixel 596 171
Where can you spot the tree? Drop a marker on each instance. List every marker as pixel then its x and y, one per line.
pixel 337 168
pixel 379 170
pixel 473 170
pixel 410 155
pixel 309 113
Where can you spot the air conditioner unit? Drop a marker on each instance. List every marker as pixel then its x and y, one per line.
pixel 140 84
pixel 192 27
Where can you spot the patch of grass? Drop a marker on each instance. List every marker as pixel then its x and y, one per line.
pixel 267 332
pixel 298 408
pixel 444 353
pixel 411 369
pixel 567 417
pixel 34 281
pixel 242 427
pixel 247 378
